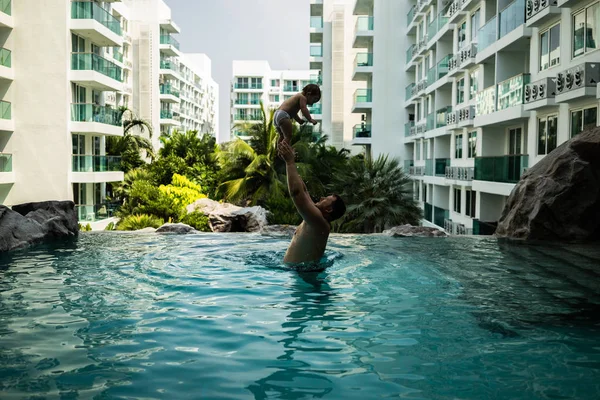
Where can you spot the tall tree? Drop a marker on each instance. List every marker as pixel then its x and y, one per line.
pixel 131 146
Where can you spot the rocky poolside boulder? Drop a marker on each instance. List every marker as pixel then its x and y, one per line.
pixel 279 230
pixel 176 228
pixel 225 217
pixel 414 231
pixel 558 199
pixel 33 223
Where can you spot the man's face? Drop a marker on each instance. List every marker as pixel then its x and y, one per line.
pixel 312 99
pixel 325 203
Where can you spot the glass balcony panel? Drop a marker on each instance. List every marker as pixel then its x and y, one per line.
pixel 91 163
pixel 362 131
pixel 364 60
pixel 91 10
pixel 5 110
pixel 511 91
pixel 316 22
pixel 505 169
pixel 87 112
pixel 364 23
pixel 363 96
pixel 6 7
pixel 487 35
pixel 5 162
pixel 5 57
pixel 94 62
pixel 512 17
pixel 170 40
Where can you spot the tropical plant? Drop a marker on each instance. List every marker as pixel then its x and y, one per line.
pixel 131 145
pixel 197 220
pixel 121 191
pixel 378 194
pixel 110 227
pixel 139 221
pixel 183 191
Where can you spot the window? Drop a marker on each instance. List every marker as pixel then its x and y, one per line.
pixel 77 44
pixel 457 193
pixel 242 98
pixel 585 29
pixel 242 83
pixel 475 25
pixel 472 150
pixel 514 141
pixel 256 83
pixel 473 84
pixel 275 82
pixel 547 134
pixel 460 91
pixel 274 98
pixel 255 98
pixel 471 198
pixel 583 119
pixel 550 48
pixel 462 34
pixel 458 146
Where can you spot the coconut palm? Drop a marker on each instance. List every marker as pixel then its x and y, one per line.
pixel 131 145
pixel 378 195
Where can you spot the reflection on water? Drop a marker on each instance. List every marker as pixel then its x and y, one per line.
pixel 218 316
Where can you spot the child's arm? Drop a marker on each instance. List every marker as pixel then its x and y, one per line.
pixel 305 111
pixel 298 119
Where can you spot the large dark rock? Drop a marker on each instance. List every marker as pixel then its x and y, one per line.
pixel 176 228
pixel 558 199
pixel 225 217
pixel 410 231
pixel 32 223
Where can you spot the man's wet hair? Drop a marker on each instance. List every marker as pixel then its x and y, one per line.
pixel 338 208
pixel 312 89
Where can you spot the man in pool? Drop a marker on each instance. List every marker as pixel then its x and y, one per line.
pixel 310 239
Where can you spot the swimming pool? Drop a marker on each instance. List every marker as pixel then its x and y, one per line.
pixel 215 316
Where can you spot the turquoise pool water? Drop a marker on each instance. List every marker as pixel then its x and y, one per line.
pixel 122 316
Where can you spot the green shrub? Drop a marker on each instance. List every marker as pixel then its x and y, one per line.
pixel 85 228
pixel 197 220
pixel 139 221
pixel 110 227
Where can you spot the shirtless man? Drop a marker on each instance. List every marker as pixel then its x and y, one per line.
pixel 290 107
pixel 310 239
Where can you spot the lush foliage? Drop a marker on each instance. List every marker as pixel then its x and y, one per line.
pixel 139 221
pixel 189 167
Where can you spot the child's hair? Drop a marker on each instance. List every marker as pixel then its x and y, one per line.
pixel 312 89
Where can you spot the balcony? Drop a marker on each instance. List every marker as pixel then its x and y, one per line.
pixel 90 69
pixel 316 56
pixel 441 116
pixel 437 25
pixel 6 71
pixel 6 19
pixel 291 88
pixel 578 82
pixel 363 99
pixel 539 94
pixel 416 171
pixel 438 72
pixel 169 94
pixel 6 121
pixel 248 86
pixel 6 171
pixel 407 165
pixel 509 96
pixel 440 166
pixel 410 16
pixel 409 128
pixel 361 135
pixel 93 22
pixel 170 26
pixel 363 32
pixel 538 12
pixel 453 12
pixel 247 117
pixel 168 118
pixel 503 169
pixel 92 118
pixel 460 173
pixel 487 35
pixel 410 54
pixel 95 212
pixel 169 45
pixel 363 66
pixel 169 69
pixel 440 215
pixel 96 169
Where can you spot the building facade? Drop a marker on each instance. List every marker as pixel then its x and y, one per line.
pixel 491 87
pixel 65 70
pixel 255 82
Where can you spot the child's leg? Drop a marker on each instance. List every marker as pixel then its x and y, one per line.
pixel 286 128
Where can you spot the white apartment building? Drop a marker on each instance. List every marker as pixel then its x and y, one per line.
pixel 491 87
pixel 65 68
pixel 255 82
pixel 338 42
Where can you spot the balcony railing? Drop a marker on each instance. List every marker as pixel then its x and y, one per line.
pixel 168 89
pixel 408 128
pixel 95 212
pixel 248 85
pixel 460 173
pixel 316 109
pixel 439 70
pixel 362 131
pixel 410 53
pixel 87 112
pixel 5 162
pixel 363 60
pixel 487 34
pixel 440 166
pixel 364 24
pixel 410 15
pixel 316 79
pixel 247 101
pixel 247 117
pixel 90 163
pixel 316 22
pixel 505 169
pixel 94 62
pixel 407 165
pixel 440 215
pixel 5 110
pixel 117 55
pixel 363 96
pixel 316 51
pixel 91 10
pixel 166 114
pixel 512 17
pixel 511 91
pixel 291 88
pixel 6 7
pixel 430 122
pixel 437 24
pixel 170 40
pixel 441 116
pixel 5 57
pixel 167 64
pixel 486 101
pixel 429 166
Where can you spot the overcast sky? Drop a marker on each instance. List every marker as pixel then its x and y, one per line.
pixel 227 30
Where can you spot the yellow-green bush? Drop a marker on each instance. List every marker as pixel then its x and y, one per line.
pixel 139 221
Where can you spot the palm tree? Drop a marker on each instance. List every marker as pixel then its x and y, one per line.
pixel 378 195
pixel 249 167
pixel 131 145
